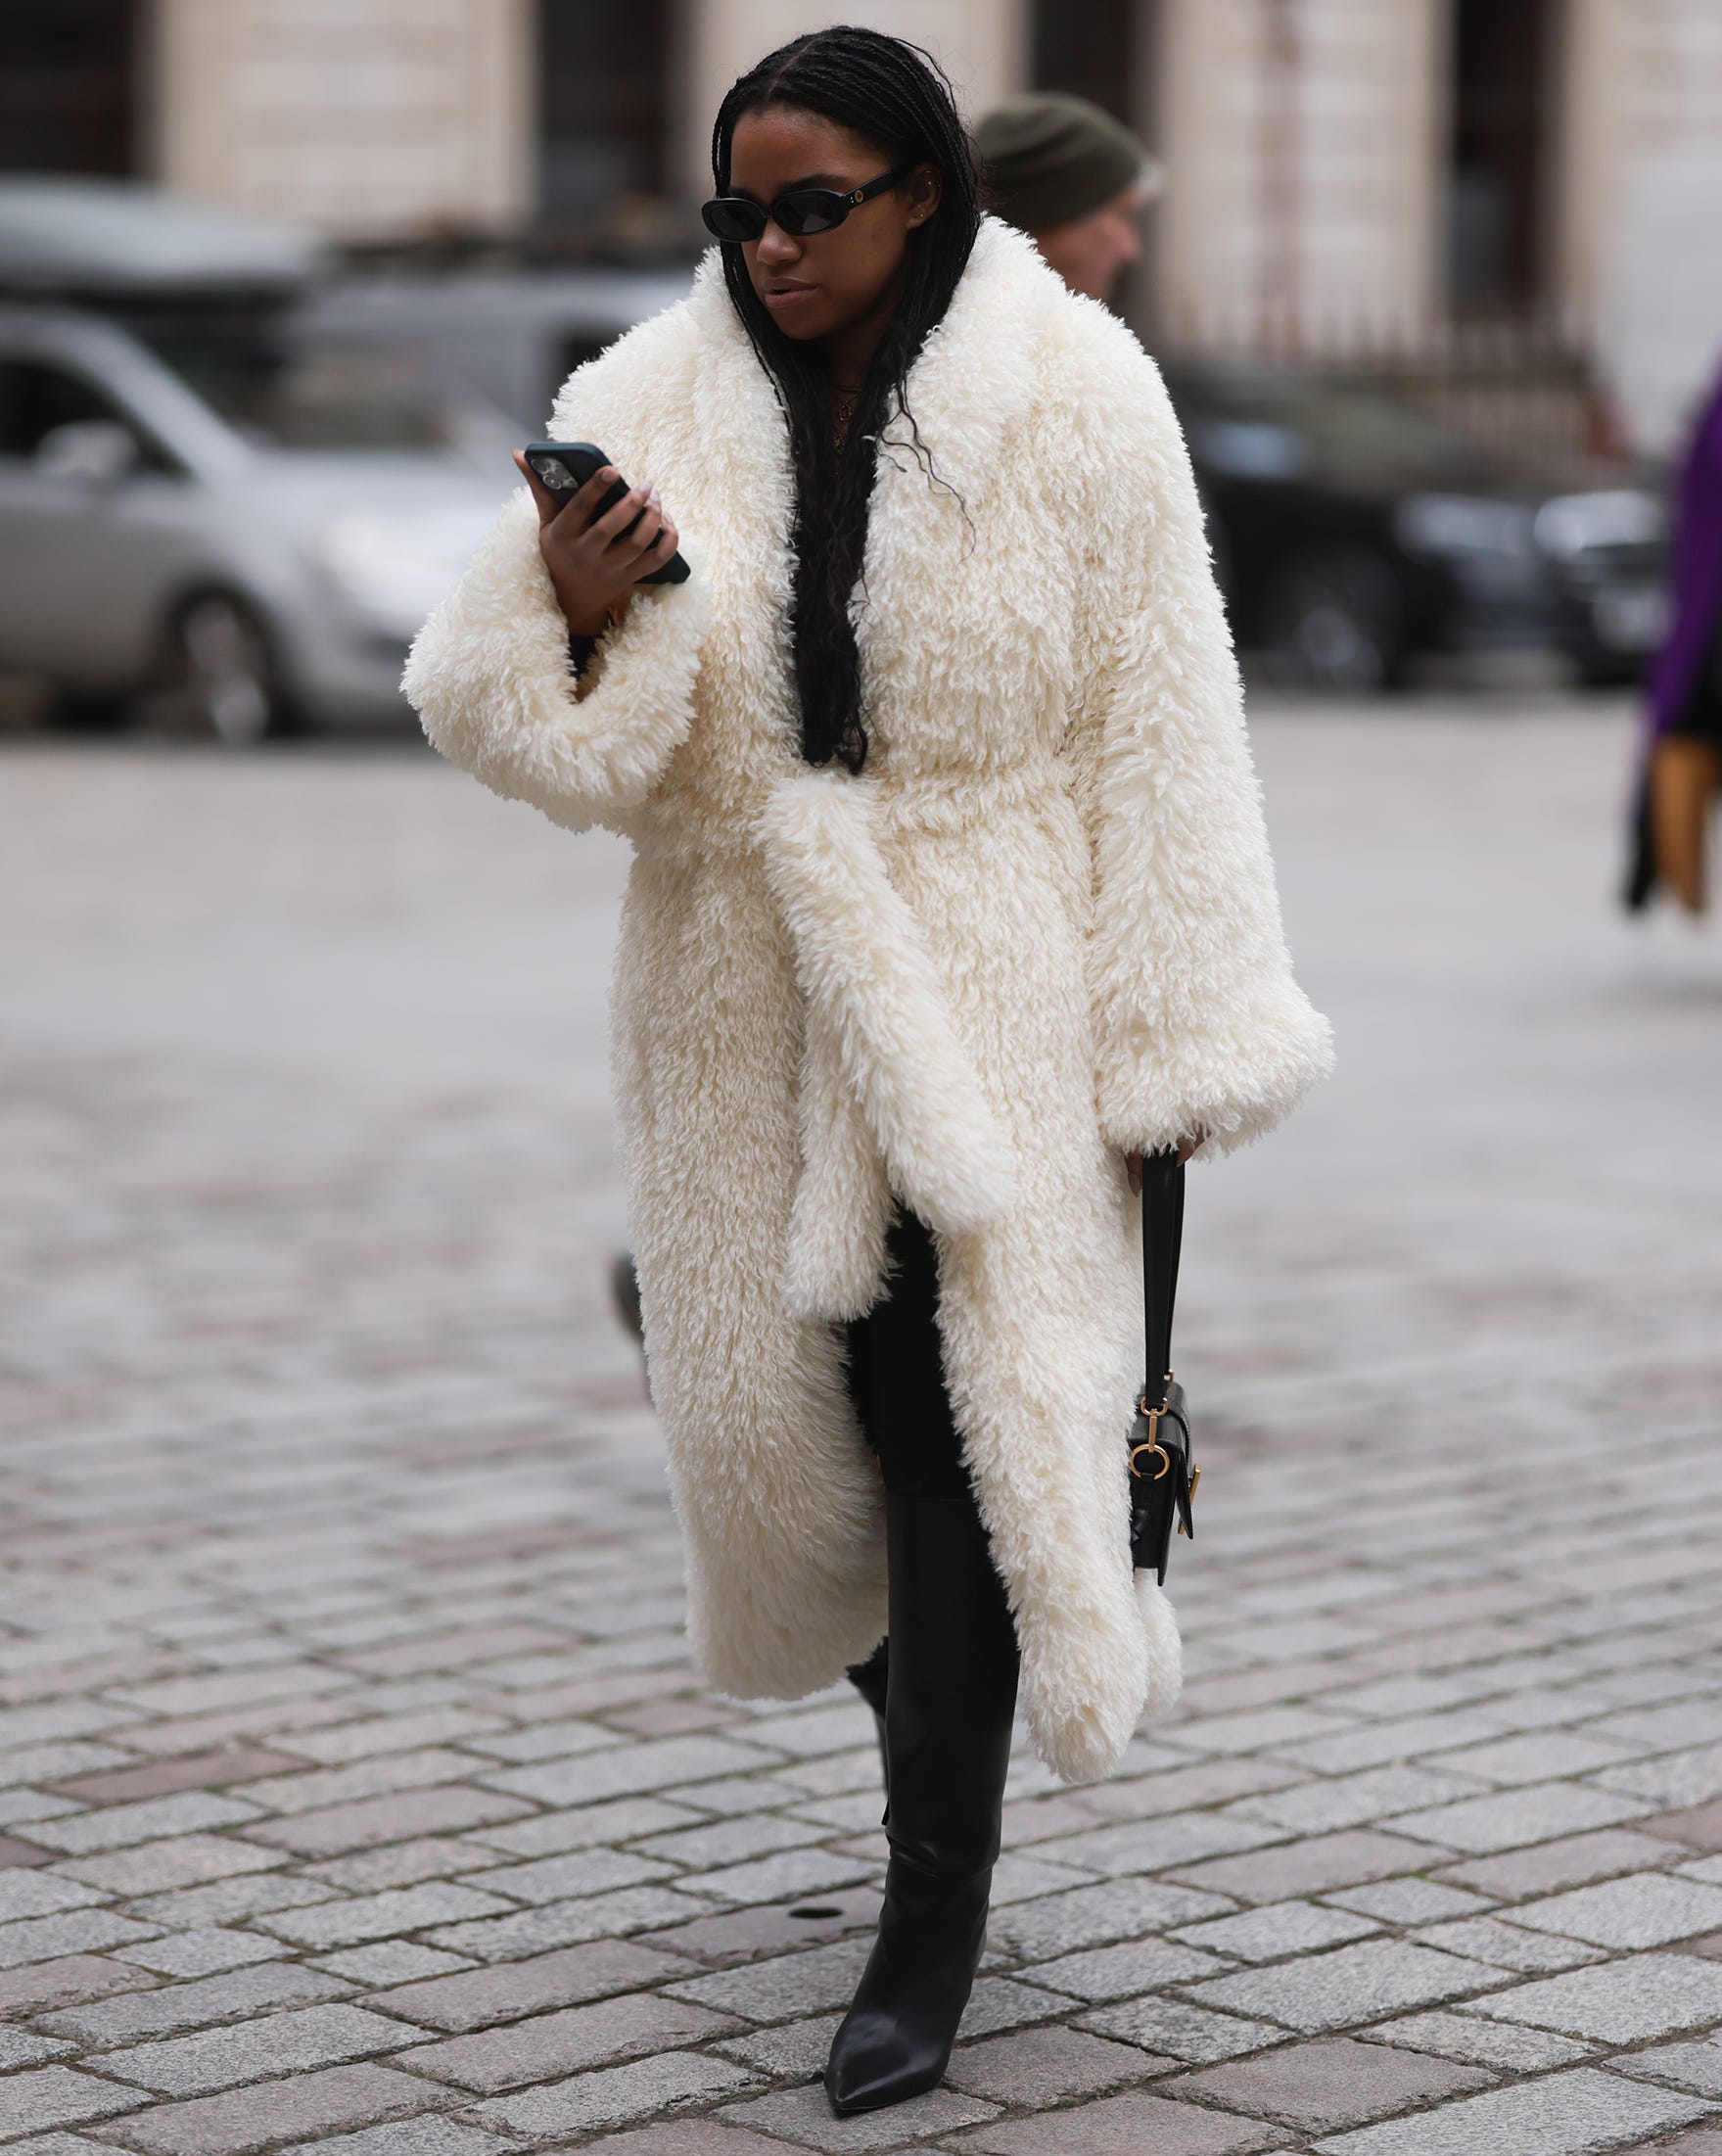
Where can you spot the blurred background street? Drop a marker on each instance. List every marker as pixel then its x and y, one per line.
pixel 354 1787
pixel 355 1792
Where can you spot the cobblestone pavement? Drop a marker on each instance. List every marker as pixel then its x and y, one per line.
pixel 355 1789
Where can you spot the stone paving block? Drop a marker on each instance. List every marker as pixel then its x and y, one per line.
pixel 400 1864
pixel 1315 1865
pixel 1320 2088
pixel 349 1923
pixel 720 1842
pixel 397 1816
pixel 197 1953
pixel 425 2137
pixel 18 2047
pixel 568 2042
pixel 1350 1985
pixel 586 1826
pixel 1357 1799
pixel 795 2051
pixel 1698 2141
pixel 1128 2125
pixel 568 1876
pixel 1557 2115
pixel 179 1861
pixel 536 1931
pixel 1697 2067
pixel 75 1932
pixel 748 1933
pixel 1550 1866
pixel 1044 2066
pixel 1697 1827
pixel 1180 1788
pixel 135 2016
pixel 1541 1812
pixel 1619 2002
pixel 1276 1729
pixel 1506 1946
pixel 628 1771
pixel 27 1894
pixel 232 1900
pixel 39 1985
pixel 1276 1928
pixel 1121 1972
pixel 1474 2041
pixel 390 1962
pixel 559 1740
pixel 1412 1901
pixel 803 2116
pixel 1352 1745
pixel 1001 2003
pixel 790 1873
pixel 785 1988
pixel 57 2144
pixel 1096 1916
pixel 383 1774
pixel 1018 1876
pixel 188 1771
pixel 366 1734
pixel 1538 1755
pixel 296 2041
pixel 236 2121
pixel 1649 1911
pixel 614 2095
pixel 691 2137
pixel 482 1998
pixel 1156 1845
pixel 1174 2028
pixel 59 2096
pixel 114 1826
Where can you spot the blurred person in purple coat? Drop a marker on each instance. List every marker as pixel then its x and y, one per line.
pixel 1680 755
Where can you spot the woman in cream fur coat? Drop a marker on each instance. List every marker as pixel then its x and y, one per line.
pixel 946 899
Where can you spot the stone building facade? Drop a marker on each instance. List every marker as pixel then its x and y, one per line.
pixel 1343 172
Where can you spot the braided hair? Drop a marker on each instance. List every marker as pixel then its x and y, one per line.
pixel 899 98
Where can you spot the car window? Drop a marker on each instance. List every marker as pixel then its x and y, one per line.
pixel 37 397
pixel 281 390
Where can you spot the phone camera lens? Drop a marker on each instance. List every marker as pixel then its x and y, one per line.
pixel 554 472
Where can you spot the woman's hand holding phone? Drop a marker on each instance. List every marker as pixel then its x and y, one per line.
pixel 595 559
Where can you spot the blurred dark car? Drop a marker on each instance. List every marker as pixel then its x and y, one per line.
pixel 1355 535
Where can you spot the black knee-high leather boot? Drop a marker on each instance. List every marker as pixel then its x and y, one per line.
pixel 951 1696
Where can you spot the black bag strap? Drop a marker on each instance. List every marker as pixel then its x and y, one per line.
pixel 1162 1240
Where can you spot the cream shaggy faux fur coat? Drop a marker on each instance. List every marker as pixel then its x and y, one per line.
pixel 1040 928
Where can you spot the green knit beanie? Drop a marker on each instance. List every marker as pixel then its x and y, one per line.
pixel 1051 159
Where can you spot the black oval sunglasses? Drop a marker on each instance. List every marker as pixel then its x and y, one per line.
pixel 803 209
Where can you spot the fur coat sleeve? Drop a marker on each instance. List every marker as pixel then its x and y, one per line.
pixel 1200 1025
pixel 489 673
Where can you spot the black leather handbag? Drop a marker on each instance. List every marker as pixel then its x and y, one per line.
pixel 1163 1476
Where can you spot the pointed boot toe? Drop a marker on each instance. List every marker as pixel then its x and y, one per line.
pixel 878 2060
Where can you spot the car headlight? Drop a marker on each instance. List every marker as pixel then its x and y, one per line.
pixel 1464 524
pixel 395 570
pixel 1570 526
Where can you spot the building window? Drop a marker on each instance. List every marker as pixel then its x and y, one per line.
pixel 1502 73
pixel 1092 52
pixel 603 73
pixel 69 87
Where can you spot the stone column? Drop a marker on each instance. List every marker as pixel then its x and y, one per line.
pixel 1305 143
pixel 362 118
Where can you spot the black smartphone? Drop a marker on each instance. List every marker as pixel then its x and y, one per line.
pixel 566 466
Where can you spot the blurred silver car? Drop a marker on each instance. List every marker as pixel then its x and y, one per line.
pixel 213 517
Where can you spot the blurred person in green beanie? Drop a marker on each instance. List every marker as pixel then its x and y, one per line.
pixel 1073 178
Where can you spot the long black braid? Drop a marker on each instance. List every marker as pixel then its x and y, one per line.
pixel 899 98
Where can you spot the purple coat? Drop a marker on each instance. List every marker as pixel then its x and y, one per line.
pixel 1696 570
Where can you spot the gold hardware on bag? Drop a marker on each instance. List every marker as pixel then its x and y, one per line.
pixel 1150 1443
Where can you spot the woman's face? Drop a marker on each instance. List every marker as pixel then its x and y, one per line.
pixel 824 281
